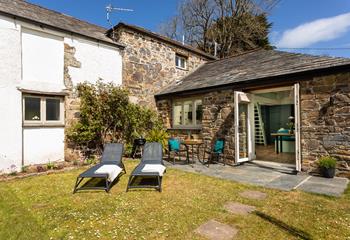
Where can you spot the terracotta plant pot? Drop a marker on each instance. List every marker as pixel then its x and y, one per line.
pixel 328 172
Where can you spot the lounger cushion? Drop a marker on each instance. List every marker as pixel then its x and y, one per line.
pixel 151 168
pixel 112 171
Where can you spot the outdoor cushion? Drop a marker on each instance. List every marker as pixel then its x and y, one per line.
pixel 158 168
pixel 174 145
pixel 111 170
pixel 219 146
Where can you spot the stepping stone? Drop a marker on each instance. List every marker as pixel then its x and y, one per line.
pixel 253 195
pixel 215 230
pixel 238 208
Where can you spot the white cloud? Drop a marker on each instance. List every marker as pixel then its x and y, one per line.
pixel 320 30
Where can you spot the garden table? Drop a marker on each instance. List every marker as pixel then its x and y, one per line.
pixel 191 143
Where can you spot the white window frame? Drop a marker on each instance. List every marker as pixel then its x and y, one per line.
pixel 184 58
pixel 181 102
pixel 43 121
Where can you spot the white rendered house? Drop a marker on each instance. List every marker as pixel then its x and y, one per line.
pixel 44 54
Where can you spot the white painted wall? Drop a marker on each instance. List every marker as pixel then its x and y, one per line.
pixel 10 104
pixel 42 57
pixel 37 63
pixel 98 61
pixel 43 145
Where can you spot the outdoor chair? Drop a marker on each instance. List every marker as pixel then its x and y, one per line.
pixel 151 167
pixel 109 169
pixel 216 153
pixel 174 146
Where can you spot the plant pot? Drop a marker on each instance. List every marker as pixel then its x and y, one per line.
pixel 328 172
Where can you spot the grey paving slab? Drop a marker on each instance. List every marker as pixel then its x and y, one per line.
pixel 286 182
pixel 326 186
pixel 266 176
pixel 239 208
pixel 257 195
pixel 215 230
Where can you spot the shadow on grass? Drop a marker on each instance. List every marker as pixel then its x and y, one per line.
pixel 290 229
pixel 16 221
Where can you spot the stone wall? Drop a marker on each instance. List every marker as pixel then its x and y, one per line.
pixel 217 120
pixel 72 102
pixel 325 121
pixel 149 65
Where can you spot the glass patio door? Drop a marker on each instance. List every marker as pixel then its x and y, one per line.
pixel 243 136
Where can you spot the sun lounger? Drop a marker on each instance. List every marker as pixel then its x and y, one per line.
pixel 109 169
pixel 151 167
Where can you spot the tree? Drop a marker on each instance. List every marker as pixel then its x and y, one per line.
pixel 235 25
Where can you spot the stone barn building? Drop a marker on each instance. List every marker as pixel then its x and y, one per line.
pixel 268 105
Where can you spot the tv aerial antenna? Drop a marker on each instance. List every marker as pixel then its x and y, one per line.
pixel 110 9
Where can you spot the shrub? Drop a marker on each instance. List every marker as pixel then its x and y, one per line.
pixel 158 135
pixel 25 169
pixel 50 166
pixel 107 115
pixel 327 162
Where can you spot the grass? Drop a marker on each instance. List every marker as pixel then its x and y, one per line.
pixel 44 207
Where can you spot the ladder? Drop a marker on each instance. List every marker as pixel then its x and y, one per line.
pixel 260 137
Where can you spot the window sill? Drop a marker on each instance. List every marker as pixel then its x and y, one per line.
pixel 183 69
pixel 186 128
pixel 41 125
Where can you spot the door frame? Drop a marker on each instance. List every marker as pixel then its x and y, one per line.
pixel 295 88
pixel 245 98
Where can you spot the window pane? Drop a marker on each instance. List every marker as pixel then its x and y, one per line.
pixel 199 112
pixel 32 109
pixel 52 109
pixel 188 108
pixel 177 114
pixel 183 63
pixel 177 61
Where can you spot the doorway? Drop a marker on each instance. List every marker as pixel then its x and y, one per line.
pixel 267 126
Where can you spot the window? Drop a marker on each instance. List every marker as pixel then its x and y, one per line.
pixel 187 113
pixel 181 61
pixel 41 111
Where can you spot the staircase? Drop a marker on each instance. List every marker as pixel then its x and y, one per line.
pixel 260 137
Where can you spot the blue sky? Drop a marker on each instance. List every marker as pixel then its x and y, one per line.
pixel 296 23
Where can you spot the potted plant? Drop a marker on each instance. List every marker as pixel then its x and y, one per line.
pixel 327 165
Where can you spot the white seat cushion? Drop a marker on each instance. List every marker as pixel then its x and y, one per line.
pixel 111 170
pixel 158 168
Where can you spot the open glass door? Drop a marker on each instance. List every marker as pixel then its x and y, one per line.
pixel 243 139
pixel 297 127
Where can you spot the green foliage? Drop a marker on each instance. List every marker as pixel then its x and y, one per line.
pixel 24 169
pixel 327 162
pixel 51 166
pixel 106 115
pixel 91 160
pixel 158 135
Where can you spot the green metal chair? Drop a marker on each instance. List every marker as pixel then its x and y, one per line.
pixel 216 153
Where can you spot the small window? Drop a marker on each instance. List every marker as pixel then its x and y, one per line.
pixel 181 61
pixel 32 109
pixel 41 111
pixel 53 109
pixel 188 113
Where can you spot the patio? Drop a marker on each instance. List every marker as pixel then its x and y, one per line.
pixel 270 175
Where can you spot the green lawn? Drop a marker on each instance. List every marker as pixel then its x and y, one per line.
pixel 44 207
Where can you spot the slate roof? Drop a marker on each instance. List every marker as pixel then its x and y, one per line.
pixel 255 65
pixel 34 13
pixel 162 38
